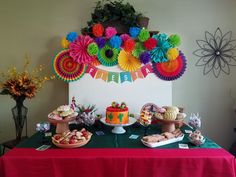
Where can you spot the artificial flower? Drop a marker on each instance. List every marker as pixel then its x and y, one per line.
pixel 129 45
pixel 145 57
pixel 110 31
pixel 174 40
pixel 150 44
pixel 65 43
pixel 71 36
pixel 124 37
pixel 138 49
pixel 158 54
pixel 134 31
pixel 115 42
pixel 92 49
pixel 98 30
pixel 101 42
pixel 144 35
pixel 172 53
pixel 23 83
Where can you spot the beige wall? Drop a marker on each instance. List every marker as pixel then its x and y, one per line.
pixel 36 27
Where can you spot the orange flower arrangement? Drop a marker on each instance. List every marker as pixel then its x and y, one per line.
pixel 23 84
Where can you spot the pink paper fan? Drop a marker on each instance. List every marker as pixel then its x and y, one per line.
pixel 78 49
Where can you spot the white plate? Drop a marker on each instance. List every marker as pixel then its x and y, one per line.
pixel 162 143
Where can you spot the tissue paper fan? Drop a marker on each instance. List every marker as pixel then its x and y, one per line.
pixel 78 49
pixel 66 68
pixel 170 70
pixel 128 62
pixel 107 56
pixel 95 62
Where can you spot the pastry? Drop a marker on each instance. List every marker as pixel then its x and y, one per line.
pixel 153 138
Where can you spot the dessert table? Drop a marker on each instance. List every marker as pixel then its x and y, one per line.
pixel 118 155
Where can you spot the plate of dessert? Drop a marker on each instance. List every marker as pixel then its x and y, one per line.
pixel 157 140
pixel 72 139
pixel 61 116
pixel 62 113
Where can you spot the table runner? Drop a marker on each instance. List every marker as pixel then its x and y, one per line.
pixel 110 140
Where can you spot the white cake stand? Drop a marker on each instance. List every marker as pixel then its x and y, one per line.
pixel 118 128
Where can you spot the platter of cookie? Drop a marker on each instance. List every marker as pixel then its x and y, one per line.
pixel 72 139
pixel 165 138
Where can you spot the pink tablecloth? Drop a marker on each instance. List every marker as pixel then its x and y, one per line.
pixel 85 162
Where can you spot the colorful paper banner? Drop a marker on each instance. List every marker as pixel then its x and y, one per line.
pixel 125 76
pixel 146 70
pixel 113 76
pixel 92 70
pixel 136 74
pixel 119 76
pixel 101 74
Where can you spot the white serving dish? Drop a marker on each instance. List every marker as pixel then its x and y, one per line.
pixel 118 128
pixel 162 143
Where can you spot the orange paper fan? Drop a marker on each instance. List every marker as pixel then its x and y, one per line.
pixel 128 62
pixel 95 62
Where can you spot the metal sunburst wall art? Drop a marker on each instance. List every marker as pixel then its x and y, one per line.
pixel 216 52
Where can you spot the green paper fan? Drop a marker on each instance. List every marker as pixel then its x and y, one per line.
pixel 108 56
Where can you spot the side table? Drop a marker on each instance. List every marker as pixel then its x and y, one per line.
pixel 12 143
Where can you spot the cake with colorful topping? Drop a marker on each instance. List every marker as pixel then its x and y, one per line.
pixel 117 113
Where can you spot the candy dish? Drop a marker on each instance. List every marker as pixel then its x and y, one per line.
pixel 196 138
pixel 197 142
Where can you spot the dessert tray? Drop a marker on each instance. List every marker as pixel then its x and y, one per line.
pixel 69 118
pixel 157 140
pixel 62 125
pixel 118 128
pixel 72 139
pixel 162 143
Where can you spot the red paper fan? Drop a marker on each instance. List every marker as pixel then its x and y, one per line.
pixel 171 70
pixel 78 49
pixel 66 68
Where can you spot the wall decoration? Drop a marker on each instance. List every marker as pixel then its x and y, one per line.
pixel 171 70
pixel 128 62
pixel 132 53
pixel 216 52
pixel 119 77
pixel 66 68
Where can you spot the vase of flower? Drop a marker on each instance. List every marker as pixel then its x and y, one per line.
pixel 21 85
pixel 19 112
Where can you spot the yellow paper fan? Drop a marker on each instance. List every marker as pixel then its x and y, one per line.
pixel 128 62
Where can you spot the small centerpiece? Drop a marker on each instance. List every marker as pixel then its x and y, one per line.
pixel 86 114
pixel 196 136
